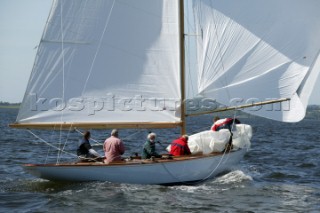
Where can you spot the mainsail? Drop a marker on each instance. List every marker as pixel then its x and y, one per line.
pixel 255 51
pixel 106 62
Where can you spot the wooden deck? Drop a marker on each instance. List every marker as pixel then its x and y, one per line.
pixel 135 160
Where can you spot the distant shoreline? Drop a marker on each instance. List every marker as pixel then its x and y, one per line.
pixel 7 105
pixel 17 106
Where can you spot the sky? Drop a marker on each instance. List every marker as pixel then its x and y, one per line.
pixel 21 26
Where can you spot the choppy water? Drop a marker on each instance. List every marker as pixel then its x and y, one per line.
pixel 281 173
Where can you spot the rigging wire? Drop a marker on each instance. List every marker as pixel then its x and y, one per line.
pixel 96 141
pixel 211 173
pixel 50 139
pixel 47 143
pixel 129 136
pixel 67 138
pixel 47 155
pixel 59 149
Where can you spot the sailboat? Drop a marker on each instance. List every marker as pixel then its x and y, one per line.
pixel 105 64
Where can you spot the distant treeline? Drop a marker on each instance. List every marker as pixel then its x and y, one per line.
pixel 9 105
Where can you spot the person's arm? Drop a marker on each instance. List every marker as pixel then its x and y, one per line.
pixel 153 151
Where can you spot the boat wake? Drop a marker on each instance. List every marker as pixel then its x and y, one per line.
pixel 236 176
pixel 231 178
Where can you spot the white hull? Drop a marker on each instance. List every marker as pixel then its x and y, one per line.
pixel 178 170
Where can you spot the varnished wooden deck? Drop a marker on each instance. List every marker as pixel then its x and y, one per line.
pixel 133 161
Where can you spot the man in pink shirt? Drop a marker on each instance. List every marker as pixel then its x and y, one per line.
pixel 113 147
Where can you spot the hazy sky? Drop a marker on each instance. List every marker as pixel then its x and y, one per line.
pixel 21 27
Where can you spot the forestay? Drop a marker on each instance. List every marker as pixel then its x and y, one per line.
pixel 254 51
pixel 106 61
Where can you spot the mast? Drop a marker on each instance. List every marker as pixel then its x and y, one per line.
pixel 182 67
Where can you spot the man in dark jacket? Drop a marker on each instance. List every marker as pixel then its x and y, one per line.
pixel 85 151
pixel 149 148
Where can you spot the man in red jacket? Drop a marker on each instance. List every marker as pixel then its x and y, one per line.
pixel 180 146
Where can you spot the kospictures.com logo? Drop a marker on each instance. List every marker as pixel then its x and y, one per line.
pixel 111 102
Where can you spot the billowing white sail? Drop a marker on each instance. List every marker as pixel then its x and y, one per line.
pixel 254 51
pixel 106 61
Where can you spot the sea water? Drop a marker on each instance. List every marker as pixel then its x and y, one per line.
pixel 280 173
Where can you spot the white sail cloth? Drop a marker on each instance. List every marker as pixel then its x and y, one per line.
pixel 106 61
pixel 215 141
pixel 253 51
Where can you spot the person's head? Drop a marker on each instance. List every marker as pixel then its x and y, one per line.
pixel 152 136
pixel 186 137
pixel 86 135
pixel 115 133
pixel 216 118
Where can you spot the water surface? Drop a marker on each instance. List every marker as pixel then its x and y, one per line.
pixel 280 173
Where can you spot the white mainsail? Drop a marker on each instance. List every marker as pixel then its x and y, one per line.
pixel 106 61
pixel 255 51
